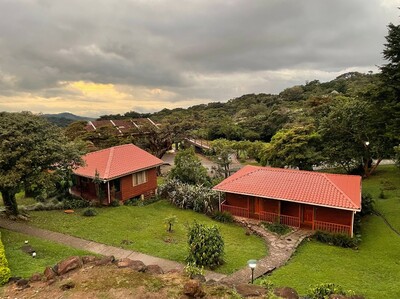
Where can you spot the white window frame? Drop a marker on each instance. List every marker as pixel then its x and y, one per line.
pixel 139 178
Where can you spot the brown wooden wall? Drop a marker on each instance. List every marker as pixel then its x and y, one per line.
pixel 147 189
pixel 270 205
pixel 236 200
pixel 333 215
pixel 290 208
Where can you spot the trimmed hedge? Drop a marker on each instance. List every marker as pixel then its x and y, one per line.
pixel 5 272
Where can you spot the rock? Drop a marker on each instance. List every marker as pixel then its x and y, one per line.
pixel 105 260
pixel 68 285
pixel 124 263
pixel 138 266
pixel 286 292
pixel 89 259
pixel 198 277
pixel 193 289
pixel 49 273
pixel 69 264
pixel 14 279
pixel 36 277
pixel 69 211
pixel 248 290
pixel 154 269
pixel 22 284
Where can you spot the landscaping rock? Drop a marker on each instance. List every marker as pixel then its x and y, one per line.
pixel 49 273
pixel 193 289
pixel 69 264
pixel 14 279
pixel 105 260
pixel 22 284
pixel 250 290
pixel 67 286
pixel 138 266
pixel 286 292
pixel 198 277
pixel 124 263
pixel 154 269
pixel 89 259
pixel 36 277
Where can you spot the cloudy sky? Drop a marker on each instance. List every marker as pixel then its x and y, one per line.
pixel 94 57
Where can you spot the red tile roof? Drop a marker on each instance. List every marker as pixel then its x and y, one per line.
pixel 116 162
pixel 308 187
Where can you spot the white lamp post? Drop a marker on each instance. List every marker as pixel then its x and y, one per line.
pixel 252 264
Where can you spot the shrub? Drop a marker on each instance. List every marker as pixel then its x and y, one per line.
pixel 264 282
pixel 89 212
pixel 367 205
pixel 75 203
pixel 276 227
pixel 198 198
pixel 114 203
pixel 206 246
pixel 5 272
pixel 132 201
pixel 224 217
pixel 336 239
pixel 192 270
pixel 324 290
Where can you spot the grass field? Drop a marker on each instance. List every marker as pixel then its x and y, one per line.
pixel 48 253
pixel 374 269
pixel 144 227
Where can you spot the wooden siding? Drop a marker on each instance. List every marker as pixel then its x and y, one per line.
pixel 146 189
pixel 333 215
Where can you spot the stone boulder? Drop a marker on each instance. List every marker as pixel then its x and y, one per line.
pixel 193 289
pixel 154 269
pixel 36 277
pixel 105 261
pixel 138 266
pixel 71 263
pixel 124 263
pixel 49 273
pixel 89 259
pixel 286 292
pixel 22 284
pixel 250 290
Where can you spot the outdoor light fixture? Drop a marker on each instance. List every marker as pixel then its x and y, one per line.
pixel 252 264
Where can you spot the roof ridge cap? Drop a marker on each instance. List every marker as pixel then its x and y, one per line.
pixel 326 176
pixel 110 157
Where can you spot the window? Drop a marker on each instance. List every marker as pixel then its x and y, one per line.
pixel 139 178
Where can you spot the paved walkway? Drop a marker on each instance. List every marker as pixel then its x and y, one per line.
pixel 280 251
pixel 95 247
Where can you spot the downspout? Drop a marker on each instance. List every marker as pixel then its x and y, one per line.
pixel 109 195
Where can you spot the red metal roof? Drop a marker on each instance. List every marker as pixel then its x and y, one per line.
pixel 117 161
pixel 309 187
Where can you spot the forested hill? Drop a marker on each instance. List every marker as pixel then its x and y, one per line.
pixel 260 116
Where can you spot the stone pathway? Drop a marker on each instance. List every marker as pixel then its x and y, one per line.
pixel 280 249
pixel 98 248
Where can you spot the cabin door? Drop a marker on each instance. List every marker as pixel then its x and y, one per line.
pixel 308 215
pixel 254 207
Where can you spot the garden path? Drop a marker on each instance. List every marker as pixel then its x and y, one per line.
pixel 95 247
pixel 280 249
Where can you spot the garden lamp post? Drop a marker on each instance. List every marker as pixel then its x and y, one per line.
pixel 252 264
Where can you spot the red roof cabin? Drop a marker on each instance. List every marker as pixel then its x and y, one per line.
pixel 302 199
pixel 125 172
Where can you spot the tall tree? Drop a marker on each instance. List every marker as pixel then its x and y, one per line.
pixel 30 146
pixel 391 79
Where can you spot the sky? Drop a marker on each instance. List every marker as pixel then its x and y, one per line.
pixel 96 57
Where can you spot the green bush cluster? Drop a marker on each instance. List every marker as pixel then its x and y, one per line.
pixel 324 290
pixel 5 272
pixel 367 205
pixel 336 239
pixel 192 270
pixel 224 217
pixel 89 212
pixel 206 246
pixel 198 198
pixel 75 203
pixel 276 227
pixel 137 201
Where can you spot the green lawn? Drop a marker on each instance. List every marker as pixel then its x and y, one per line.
pixel 144 226
pixel 374 269
pixel 48 253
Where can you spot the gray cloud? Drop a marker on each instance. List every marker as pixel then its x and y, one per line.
pixel 200 50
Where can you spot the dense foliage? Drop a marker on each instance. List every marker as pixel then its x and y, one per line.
pixel 325 290
pixel 5 272
pixel 206 246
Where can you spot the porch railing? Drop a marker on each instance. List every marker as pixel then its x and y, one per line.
pixel 332 227
pixel 236 211
pixel 283 219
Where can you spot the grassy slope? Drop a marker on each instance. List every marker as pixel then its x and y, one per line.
pixel 144 226
pixel 48 253
pixel 374 269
